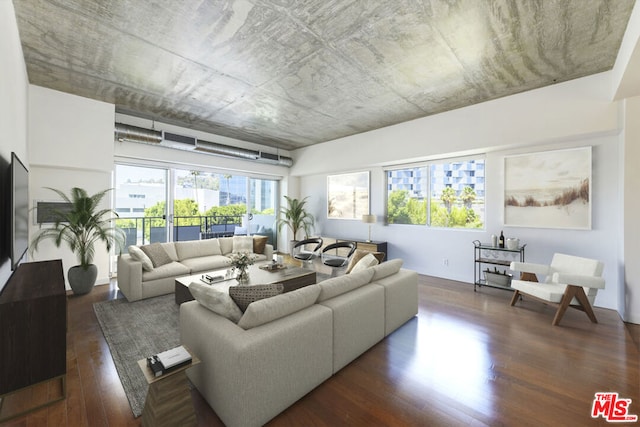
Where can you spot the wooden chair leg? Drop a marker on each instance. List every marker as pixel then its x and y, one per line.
pixel 584 302
pixel 568 295
pixel 516 295
pixel 570 292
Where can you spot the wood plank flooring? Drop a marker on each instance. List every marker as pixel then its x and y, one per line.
pixel 467 359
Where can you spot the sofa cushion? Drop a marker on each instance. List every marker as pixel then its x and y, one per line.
pixel 245 295
pixel 173 269
pixel 369 260
pixel 358 254
pixel 259 242
pixel 211 247
pixel 338 285
pixel 215 300
pixel 197 248
pixel 269 309
pixel 139 255
pixel 157 254
pixel 243 244
pixel 226 245
pixel 386 269
pixel 203 263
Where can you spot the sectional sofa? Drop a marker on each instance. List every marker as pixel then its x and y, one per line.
pixel 284 346
pixel 150 270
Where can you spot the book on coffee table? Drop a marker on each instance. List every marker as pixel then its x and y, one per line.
pixel 272 267
pixel 174 358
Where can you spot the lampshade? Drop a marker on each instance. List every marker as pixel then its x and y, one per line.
pixel 369 219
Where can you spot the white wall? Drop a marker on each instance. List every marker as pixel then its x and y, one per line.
pixel 631 265
pixel 572 114
pixel 559 112
pixel 70 145
pixel 13 118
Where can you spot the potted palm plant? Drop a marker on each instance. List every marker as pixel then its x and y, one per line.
pixel 296 217
pixel 81 227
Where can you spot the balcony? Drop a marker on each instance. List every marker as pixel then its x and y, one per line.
pixel 144 230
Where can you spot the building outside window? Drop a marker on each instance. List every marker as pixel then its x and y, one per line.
pixel 438 194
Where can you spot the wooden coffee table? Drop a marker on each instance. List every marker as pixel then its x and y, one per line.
pixel 292 278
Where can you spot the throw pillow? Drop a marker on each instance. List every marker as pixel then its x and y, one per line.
pixel 156 254
pixel 359 254
pixel 245 295
pixel 259 242
pixel 369 260
pixel 215 300
pixel 170 247
pixel 137 254
pixel 243 244
pixel 269 309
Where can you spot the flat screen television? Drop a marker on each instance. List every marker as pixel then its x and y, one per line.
pixel 19 191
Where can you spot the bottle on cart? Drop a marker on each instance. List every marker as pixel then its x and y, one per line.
pixel 501 240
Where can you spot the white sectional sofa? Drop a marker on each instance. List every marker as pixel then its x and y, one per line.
pixel 140 277
pixel 284 346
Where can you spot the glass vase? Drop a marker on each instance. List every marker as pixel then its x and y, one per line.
pixel 243 276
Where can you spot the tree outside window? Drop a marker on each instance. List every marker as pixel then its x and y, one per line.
pixel 456 194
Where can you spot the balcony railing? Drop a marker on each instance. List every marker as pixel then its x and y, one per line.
pixel 143 230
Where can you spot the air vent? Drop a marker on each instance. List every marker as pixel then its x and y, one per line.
pixel 276 159
pixel 179 138
pixel 269 156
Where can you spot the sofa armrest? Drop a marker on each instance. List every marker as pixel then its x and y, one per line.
pixel 576 279
pixel 529 267
pixel 130 277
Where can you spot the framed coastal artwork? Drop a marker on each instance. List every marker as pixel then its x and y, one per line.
pixel 550 189
pixel 348 195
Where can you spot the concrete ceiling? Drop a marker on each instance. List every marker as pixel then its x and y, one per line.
pixel 292 73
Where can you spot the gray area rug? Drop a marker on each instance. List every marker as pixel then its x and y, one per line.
pixel 135 330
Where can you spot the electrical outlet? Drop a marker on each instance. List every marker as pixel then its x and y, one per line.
pixel 445 262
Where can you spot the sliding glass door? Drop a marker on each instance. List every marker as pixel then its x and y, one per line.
pixel 208 204
pixel 141 203
pixel 197 204
pixel 263 197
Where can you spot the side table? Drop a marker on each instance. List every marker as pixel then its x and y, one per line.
pixel 168 401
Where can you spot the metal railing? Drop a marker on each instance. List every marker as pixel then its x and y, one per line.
pixel 143 230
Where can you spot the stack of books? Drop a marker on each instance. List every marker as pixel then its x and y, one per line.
pixel 213 278
pixel 168 361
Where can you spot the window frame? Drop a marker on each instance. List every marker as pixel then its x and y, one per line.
pixel 449 178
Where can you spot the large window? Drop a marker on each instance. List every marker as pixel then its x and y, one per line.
pixel 407 196
pixel 198 205
pixel 439 194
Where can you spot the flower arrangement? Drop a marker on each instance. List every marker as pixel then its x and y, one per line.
pixel 240 261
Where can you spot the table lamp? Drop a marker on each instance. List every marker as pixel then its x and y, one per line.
pixel 369 219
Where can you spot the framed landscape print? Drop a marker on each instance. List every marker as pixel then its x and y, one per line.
pixel 348 195
pixel 550 189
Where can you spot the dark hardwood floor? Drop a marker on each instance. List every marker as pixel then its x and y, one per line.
pixel 467 359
